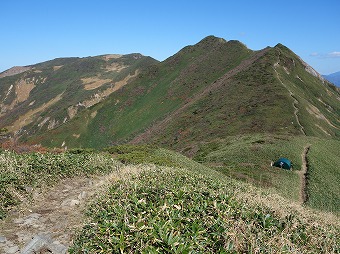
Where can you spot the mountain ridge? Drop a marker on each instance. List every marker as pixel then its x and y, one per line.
pixel 214 85
pixel 13 71
pixel 231 109
pixel 76 78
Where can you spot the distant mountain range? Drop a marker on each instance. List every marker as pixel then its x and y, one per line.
pixel 210 90
pixel 334 78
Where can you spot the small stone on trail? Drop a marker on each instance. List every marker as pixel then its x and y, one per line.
pixel 29 220
pixel 74 202
pixel 23 237
pixel 19 221
pixel 2 239
pixel 28 189
pixel 82 195
pixel 37 243
pixel 68 202
pixel 43 241
pixel 12 250
pixel 57 248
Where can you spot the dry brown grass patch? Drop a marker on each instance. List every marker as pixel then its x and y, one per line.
pixel 28 117
pixel 316 112
pixel 57 67
pixel 94 82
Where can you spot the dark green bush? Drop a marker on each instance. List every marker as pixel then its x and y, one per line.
pixel 81 150
pixel 140 154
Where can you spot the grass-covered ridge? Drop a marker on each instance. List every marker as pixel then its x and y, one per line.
pixel 61 88
pixel 180 211
pixel 185 207
pixel 156 92
pixel 206 91
pixel 20 173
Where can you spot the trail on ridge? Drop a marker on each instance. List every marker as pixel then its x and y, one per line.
pixel 295 101
pixel 303 175
pixel 54 214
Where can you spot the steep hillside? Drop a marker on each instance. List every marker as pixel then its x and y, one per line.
pixel 206 91
pixel 273 91
pixel 155 93
pixel 316 101
pixel 40 97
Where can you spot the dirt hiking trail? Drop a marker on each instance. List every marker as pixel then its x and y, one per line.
pixel 47 224
pixel 303 175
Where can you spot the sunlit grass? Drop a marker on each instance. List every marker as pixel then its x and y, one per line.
pixel 324 175
pixel 180 211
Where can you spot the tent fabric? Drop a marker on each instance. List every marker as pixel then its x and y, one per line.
pixel 283 163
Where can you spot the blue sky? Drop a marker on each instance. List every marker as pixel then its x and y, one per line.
pixel 39 30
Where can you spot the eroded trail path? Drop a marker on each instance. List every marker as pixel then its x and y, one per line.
pixel 47 224
pixel 295 101
pixel 303 175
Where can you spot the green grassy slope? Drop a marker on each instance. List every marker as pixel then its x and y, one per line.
pixel 257 100
pixel 63 77
pixel 248 158
pixel 180 211
pixel 154 94
pixel 318 102
pixel 210 90
pixel 324 175
pixel 175 210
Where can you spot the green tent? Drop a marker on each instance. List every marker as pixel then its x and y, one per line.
pixel 283 163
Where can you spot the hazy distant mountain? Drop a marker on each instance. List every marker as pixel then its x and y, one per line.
pixel 334 78
pixel 210 90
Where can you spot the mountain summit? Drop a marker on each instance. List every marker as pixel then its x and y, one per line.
pixel 206 91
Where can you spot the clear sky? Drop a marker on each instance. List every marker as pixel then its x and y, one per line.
pixel 33 31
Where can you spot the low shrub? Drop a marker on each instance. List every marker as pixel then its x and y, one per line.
pixel 178 211
pixel 141 154
pixel 18 171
